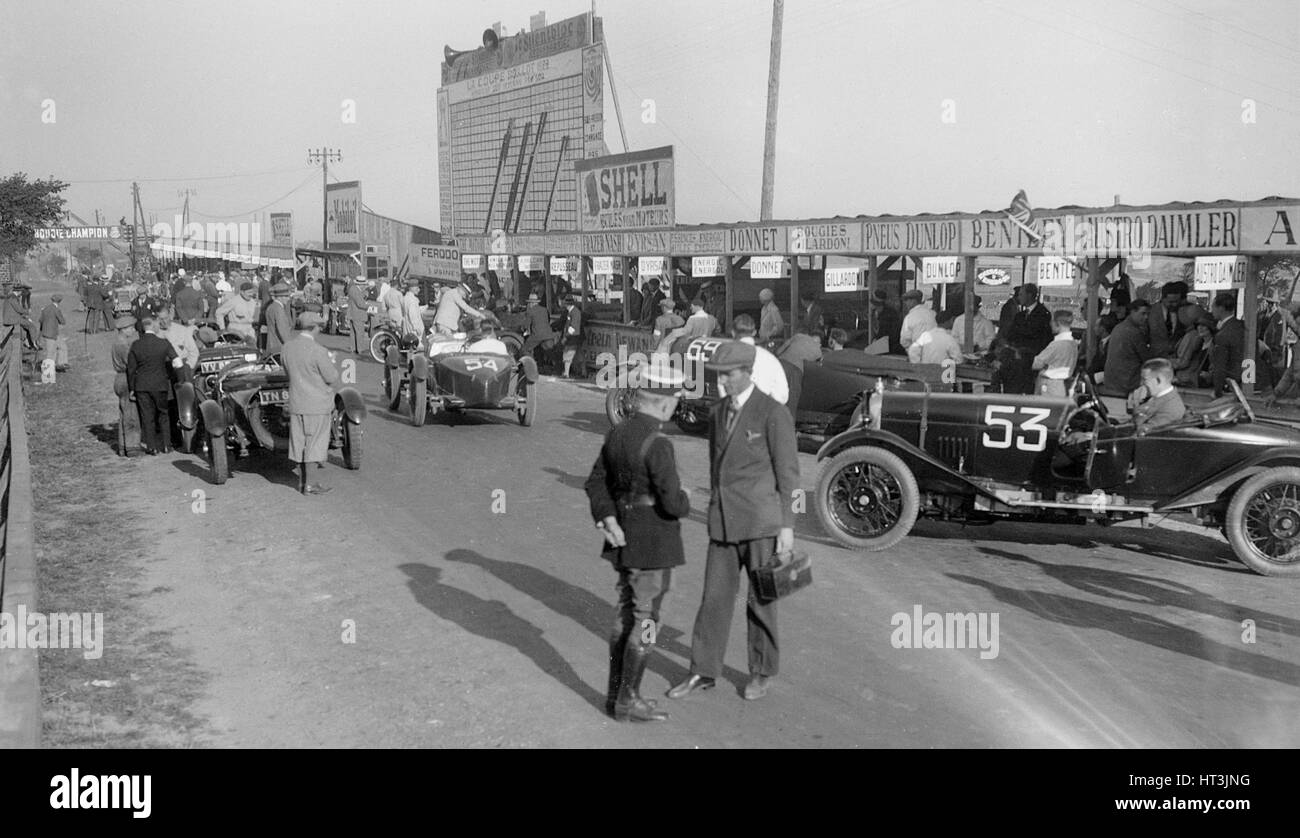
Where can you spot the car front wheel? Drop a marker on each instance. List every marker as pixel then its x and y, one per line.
pixel 1263 522
pixel 867 498
pixel 620 403
pixel 351 444
pixel 218 466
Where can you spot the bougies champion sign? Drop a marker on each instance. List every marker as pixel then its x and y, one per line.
pixel 627 191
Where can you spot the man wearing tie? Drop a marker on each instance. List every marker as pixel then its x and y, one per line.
pixel 1163 327
pixel 754 473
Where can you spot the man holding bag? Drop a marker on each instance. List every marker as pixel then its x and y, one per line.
pixel 753 475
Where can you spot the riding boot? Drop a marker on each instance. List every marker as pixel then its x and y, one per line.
pixel 302 479
pixel 630 706
pixel 617 644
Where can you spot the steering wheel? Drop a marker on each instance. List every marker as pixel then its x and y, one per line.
pixel 1089 398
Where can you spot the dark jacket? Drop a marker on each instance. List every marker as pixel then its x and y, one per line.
pixel 189 304
pixel 1029 331
pixel 634 301
pixel 51 319
pixel 149 364
pixel 620 474
pixel 1126 351
pixel 1164 344
pixel 754 473
pixel 1227 353
pixel 650 308
pixel 539 322
pixel 571 328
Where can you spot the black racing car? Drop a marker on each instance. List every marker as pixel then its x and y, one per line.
pixel 979 458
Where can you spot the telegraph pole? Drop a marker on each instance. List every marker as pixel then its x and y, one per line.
pixel 135 221
pixel 773 92
pixel 324 156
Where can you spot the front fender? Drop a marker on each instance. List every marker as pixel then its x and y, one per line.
pixel 530 369
pixel 926 467
pixel 420 367
pixel 187 404
pixel 214 417
pixel 1212 489
pixel 348 400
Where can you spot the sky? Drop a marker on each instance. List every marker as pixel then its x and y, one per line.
pixel 886 106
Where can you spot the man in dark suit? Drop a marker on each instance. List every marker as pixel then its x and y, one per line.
pixel 1229 342
pixel 539 329
pixel 810 314
pixel 1127 350
pixel 571 332
pixel 149 366
pixel 637 503
pixel 651 295
pixel 313 378
pixel 754 473
pixel 1164 329
pixel 279 328
pixel 634 300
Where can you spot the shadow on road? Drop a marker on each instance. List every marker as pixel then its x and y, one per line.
pixel 585 608
pixel 587 422
pixel 105 433
pixel 493 620
pixel 272 468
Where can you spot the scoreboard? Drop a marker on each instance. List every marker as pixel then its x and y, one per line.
pixel 513 118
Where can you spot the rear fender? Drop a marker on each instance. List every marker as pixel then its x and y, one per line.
pixel 214 417
pixel 187 406
pixel 1213 489
pixel 348 400
pixel 926 468
pixel 420 367
pixel 530 369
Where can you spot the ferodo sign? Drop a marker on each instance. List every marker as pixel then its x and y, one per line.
pixel 630 191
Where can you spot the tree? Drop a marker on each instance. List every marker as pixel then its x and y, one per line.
pixel 24 206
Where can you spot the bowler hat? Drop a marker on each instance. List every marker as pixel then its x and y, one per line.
pixel 730 356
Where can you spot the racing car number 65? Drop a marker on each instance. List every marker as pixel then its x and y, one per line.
pixel 1029 435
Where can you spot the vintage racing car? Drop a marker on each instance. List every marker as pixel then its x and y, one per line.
pixel 980 458
pixel 442 375
pixel 247 402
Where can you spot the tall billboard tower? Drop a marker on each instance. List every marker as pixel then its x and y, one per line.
pixel 513 117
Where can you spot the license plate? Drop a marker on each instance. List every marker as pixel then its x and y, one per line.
pixel 273 396
pixel 211 366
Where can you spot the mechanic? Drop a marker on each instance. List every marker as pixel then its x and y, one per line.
pixel 390 304
pixel 1156 403
pixel 539 328
pixel 982 329
pixel 452 304
pixel 754 474
pixel 804 347
pixel 934 346
pixel 313 379
pixel 487 341
pixel 181 337
pixel 1056 363
pixel 918 318
pixel 637 502
pixel 412 319
pixel 771 327
pixel 768 375
pixel 238 313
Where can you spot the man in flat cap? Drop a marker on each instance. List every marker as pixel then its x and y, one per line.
pixel 539 328
pixel 279 327
pixel 238 312
pixel 358 318
pixel 128 419
pixel 412 317
pixel 753 477
pixel 56 346
pixel 637 502
pixel 313 379
pixel 16 314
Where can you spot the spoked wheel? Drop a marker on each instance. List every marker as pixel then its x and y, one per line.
pixel 393 378
pixel 379 344
pixel 1263 522
pixel 526 403
pixel 867 498
pixel 692 419
pixel 514 344
pixel 351 444
pixel 218 465
pixel 620 403
pixel 419 401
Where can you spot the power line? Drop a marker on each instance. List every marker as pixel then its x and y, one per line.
pixel 181 179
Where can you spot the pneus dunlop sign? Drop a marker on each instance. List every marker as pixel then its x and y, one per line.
pixel 632 191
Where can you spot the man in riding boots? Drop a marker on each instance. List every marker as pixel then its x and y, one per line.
pixel 637 502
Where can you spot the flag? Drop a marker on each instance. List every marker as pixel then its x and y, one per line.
pixel 1021 214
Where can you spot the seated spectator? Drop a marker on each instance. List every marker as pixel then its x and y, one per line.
pixel 487 341
pixel 1156 404
pixel 1193 350
pixel 1056 363
pixel 803 347
pixel 982 329
pixel 934 346
pixel 839 337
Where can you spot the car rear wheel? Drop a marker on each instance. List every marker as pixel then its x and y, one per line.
pixel 419 402
pixel 620 403
pixel 526 403
pixel 867 498
pixel 1263 522
pixel 351 444
pixel 218 466
pixel 393 378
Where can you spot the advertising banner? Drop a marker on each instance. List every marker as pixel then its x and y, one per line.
pixel 627 191
pixel 1218 273
pixel 844 279
pixel 343 215
pixel 767 267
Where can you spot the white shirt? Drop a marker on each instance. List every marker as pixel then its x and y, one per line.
pixel 223 289
pixel 181 337
pixel 412 321
pixel 935 347
pixel 490 346
pixel 741 398
pixel 769 375
pixel 917 322
pixel 982 331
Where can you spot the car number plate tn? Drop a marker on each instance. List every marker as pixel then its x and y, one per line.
pixel 273 396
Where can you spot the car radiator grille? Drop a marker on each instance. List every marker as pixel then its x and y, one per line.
pixel 954 450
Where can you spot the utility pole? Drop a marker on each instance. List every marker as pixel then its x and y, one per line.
pixel 773 94
pixel 324 156
pixel 135 221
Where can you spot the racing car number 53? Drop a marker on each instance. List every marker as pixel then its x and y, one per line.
pixel 1029 435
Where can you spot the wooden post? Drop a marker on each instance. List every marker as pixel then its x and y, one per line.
pixel 1092 310
pixel 968 271
pixel 1250 314
pixel 873 274
pixel 794 295
pixel 773 96
pixel 729 289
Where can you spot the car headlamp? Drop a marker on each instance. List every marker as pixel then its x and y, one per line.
pixel 250 356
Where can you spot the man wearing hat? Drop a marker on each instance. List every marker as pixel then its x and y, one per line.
pixel 571 330
pixel 16 314
pixel 149 369
pixel 279 328
pixel 239 312
pixel 412 318
pixel 771 326
pixel 313 379
pixel 918 318
pixel 666 321
pixel 56 346
pixel 637 502
pixel 753 477
pixel 539 328
pixel 189 301
pixel 452 304
pixel 128 420
pixel 357 313
pixel 181 337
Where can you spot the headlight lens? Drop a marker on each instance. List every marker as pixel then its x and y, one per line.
pixel 250 356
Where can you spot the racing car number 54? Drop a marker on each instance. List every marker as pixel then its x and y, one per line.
pixel 1029 435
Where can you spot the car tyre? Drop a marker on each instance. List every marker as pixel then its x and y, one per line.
pixel 419 402
pixel 393 378
pixel 619 404
pixel 351 445
pixel 379 344
pixel 218 462
pixel 188 436
pixel 526 405
pixel 867 498
pixel 1263 522
pixel 257 416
